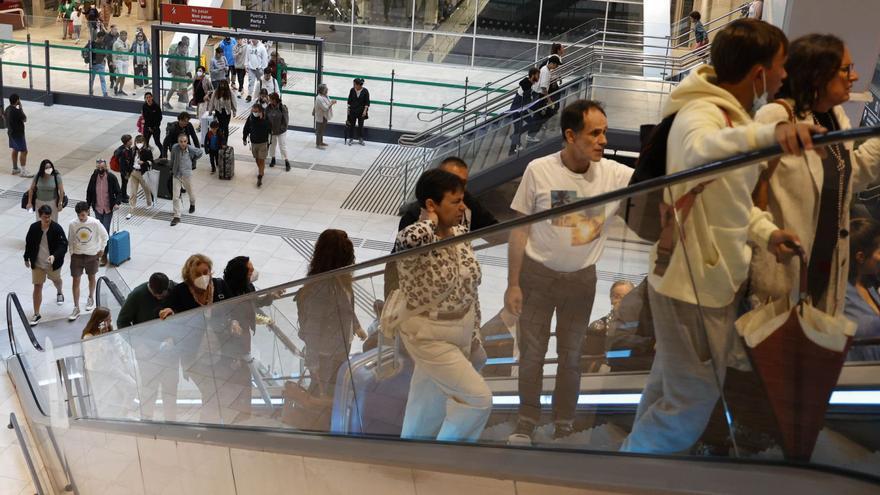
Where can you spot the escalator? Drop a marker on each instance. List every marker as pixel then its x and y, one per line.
pixel 227 429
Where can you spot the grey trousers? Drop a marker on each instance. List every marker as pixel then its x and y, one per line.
pixel 682 388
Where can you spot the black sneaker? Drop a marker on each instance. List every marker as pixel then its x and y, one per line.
pixel 59 299
pixel 35 320
pixel 192 208
pixel 522 434
pixel 259 181
pixel 286 166
pixel 175 221
pixel 272 163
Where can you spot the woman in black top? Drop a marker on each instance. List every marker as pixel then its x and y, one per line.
pixel 152 114
pixel 195 348
pixel 358 111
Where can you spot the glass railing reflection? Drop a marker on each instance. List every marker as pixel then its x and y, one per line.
pixel 259 360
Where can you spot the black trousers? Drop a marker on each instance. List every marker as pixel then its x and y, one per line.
pixel 354 119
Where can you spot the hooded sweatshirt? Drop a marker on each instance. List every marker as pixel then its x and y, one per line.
pixel 723 217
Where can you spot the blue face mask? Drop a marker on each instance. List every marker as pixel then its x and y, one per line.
pixel 759 101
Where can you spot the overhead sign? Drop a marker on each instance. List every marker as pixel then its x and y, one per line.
pixel 274 23
pixel 187 14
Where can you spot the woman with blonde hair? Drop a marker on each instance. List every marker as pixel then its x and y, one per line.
pixel 196 289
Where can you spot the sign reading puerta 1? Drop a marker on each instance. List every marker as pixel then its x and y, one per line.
pixel 239 19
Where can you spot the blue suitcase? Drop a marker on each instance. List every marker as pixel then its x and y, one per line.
pixel 119 248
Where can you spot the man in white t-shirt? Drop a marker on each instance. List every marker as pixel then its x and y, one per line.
pixel 541 90
pixel 552 264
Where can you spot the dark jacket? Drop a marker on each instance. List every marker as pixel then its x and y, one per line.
pixel 97 58
pixel 152 115
pixel 15 119
pixel 140 306
pixel 480 216
pixel 125 156
pixel 356 104
pixel 278 118
pixel 112 188
pixel 174 130
pixel 180 299
pixel 145 155
pixel 257 129
pixel 54 236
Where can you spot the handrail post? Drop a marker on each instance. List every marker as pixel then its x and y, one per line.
pixel 30 71
pixel 391 101
pixel 2 88
pixel 464 110
pixel 13 425
pixel 486 113
pixel 48 100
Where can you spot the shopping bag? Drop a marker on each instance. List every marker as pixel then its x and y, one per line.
pixel 151 177
pixel 798 352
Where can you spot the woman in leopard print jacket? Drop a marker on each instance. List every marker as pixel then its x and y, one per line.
pixel 448 399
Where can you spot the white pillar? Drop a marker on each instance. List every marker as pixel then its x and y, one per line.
pixel 656 32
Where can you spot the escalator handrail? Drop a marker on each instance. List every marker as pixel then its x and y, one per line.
pixel 690 175
pixel 12 302
pixel 114 289
pixel 591 59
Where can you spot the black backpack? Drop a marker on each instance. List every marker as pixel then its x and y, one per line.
pixel 643 212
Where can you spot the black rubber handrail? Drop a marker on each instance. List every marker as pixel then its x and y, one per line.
pixel 690 175
pixel 114 289
pixel 12 301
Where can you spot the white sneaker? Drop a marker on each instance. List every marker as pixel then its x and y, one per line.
pixel 531 139
pixel 128 217
pixel 35 319
pixel 90 305
pixel 74 314
pixel 24 173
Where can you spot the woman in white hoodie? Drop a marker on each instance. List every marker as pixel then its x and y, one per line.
pixel 813 200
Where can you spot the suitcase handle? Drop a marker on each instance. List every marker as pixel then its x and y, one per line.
pixel 395 353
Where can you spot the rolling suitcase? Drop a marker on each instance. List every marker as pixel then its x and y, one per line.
pixel 119 247
pixel 163 188
pixel 226 163
pixel 371 391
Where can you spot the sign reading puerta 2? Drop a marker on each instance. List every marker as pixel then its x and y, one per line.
pixel 239 19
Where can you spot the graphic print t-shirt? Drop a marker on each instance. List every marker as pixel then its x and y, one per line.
pixel 573 241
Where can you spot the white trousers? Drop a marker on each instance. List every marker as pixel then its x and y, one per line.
pixel 280 142
pixel 682 388
pixel 448 400
pixel 176 184
pixel 254 75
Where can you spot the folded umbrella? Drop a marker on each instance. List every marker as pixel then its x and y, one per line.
pixel 798 352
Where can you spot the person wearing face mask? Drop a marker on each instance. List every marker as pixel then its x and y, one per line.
pixel 222 105
pixel 202 88
pixel 121 62
pixel 712 111
pixel 152 114
pixel 813 201
pixel 862 298
pixel 47 188
pixel 103 196
pixel 258 129
pixel 141 50
pixel 196 289
pixel 266 83
pixel 142 161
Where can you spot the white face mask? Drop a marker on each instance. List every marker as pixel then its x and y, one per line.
pixel 256 114
pixel 139 145
pixel 48 171
pixel 200 73
pixel 759 101
pixel 202 282
pixel 255 275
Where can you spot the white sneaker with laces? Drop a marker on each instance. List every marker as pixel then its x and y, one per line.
pixel 90 305
pixel 35 319
pixel 24 173
pixel 128 217
pixel 74 314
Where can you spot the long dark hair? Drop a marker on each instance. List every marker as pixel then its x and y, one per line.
pixel 864 237
pixel 235 275
pixel 223 91
pixel 98 315
pixel 333 250
pixel 43 165
pixel 813 61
